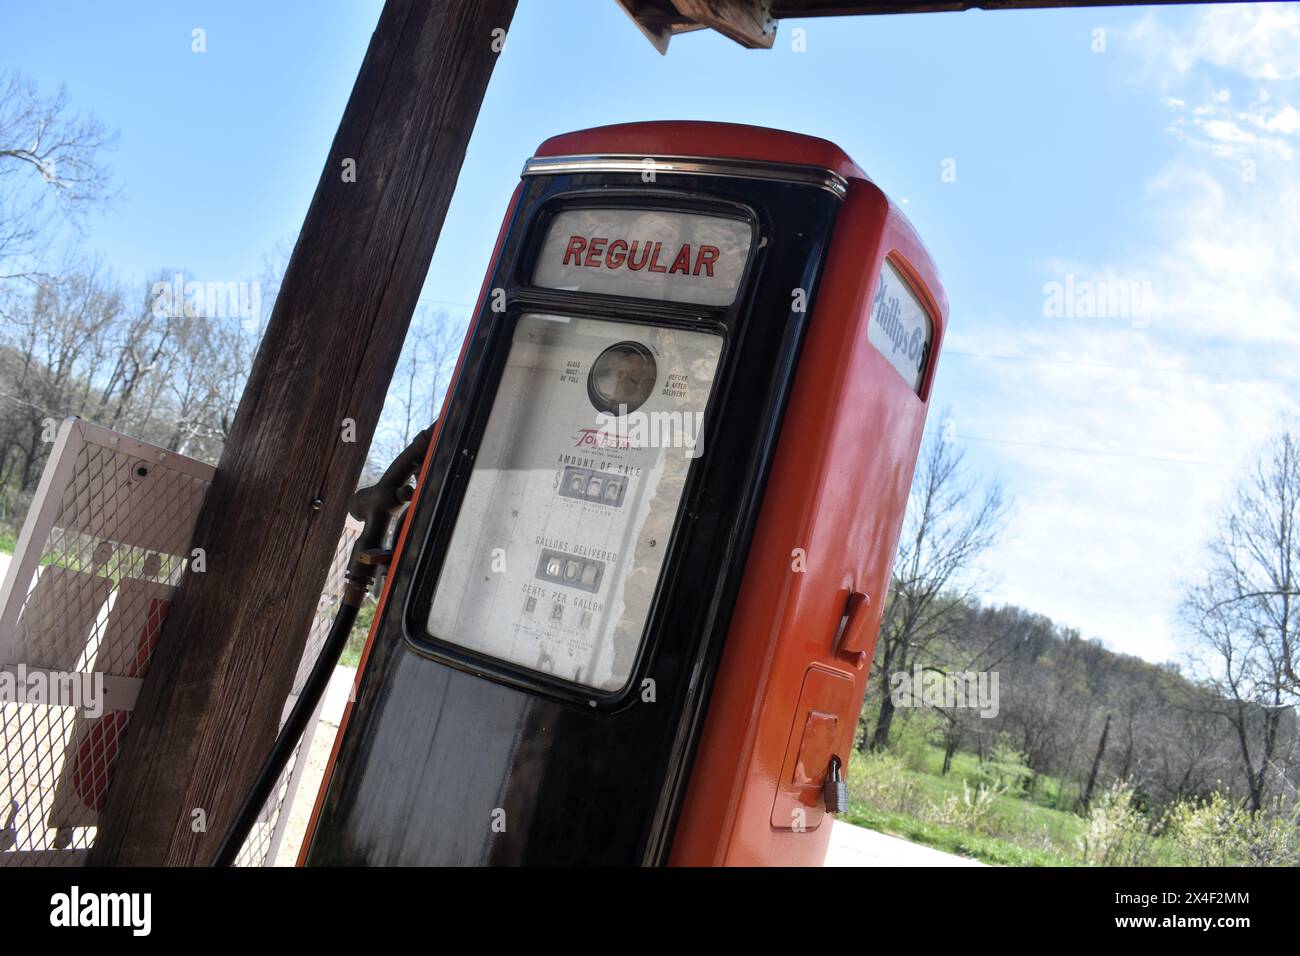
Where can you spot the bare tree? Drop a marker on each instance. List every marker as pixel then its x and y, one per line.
pixel 55 346
pixel 419 382
pixel 71 346
pixel 51 171
pixel 979 641
pixel 1086 799
pixel 1244 613
pixel 950 522
pixel 1188 756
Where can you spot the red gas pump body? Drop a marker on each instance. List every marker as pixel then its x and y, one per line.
pixel 780 696
pixel 800 645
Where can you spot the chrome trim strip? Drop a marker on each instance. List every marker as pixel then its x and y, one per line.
pixel 690 165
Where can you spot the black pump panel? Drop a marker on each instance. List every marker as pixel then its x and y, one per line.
pixel 536 680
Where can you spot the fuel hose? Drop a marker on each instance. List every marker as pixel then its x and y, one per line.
pixel 375 506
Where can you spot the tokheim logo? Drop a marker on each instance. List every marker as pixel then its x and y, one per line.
pixel 600 438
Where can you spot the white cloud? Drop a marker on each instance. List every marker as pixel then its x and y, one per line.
pixel 1117 468
pixel 1285 121
pixel 1257 132
pixel 1228 265
pixel 1121 443
pixel 1260 41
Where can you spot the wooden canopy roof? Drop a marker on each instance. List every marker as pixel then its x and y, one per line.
pixel 753 23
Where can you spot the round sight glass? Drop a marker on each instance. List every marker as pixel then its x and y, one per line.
pixel 621 378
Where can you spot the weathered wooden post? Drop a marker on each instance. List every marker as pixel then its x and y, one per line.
pixel 209 710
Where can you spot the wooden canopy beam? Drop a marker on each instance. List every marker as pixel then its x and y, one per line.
pixel 789 9
pixel 748 22
pixel 210 707
pixel 753 23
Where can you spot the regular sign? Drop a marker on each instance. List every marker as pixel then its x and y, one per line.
pixel 647 253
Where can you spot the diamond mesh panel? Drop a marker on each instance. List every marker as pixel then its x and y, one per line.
pixel 112 531
pixel 104 546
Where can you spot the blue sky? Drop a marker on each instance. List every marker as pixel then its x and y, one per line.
pixel 1167 158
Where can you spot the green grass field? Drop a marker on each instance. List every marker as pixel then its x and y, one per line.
pixel 1018 830
pixel 1022 819
pixel 351 656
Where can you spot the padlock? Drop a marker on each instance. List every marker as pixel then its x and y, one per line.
pixel 9 832
pixel 835 791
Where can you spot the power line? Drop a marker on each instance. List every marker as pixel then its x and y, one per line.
pixel 1134 368
pixel 38 408
pixel 1091 451
pixel 463 305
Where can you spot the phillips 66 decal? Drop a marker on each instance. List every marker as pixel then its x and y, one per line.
pixel 900 326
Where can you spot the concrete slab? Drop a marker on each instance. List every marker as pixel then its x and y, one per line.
pixel 856 846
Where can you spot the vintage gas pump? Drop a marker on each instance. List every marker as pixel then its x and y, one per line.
pixel 632 608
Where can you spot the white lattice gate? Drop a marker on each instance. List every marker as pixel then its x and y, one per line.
pixel 105 543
